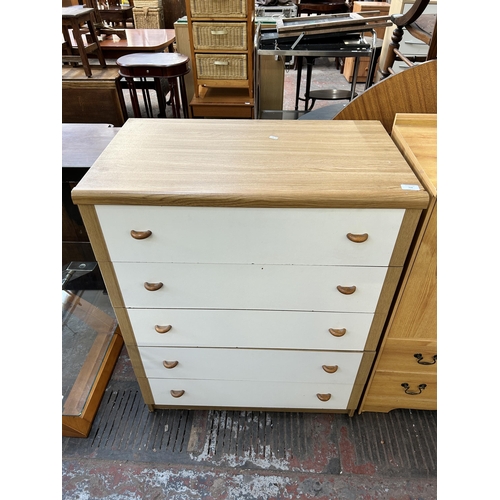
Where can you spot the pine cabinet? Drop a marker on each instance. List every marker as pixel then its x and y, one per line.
pixel 249 263
pixel 405 372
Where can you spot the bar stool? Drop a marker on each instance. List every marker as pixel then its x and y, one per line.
pixel 170 65
pixel 72 18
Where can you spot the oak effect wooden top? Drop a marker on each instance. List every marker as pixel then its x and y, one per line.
pixel 415 134
pixel 259 163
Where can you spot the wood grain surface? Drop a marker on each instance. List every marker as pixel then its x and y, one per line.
pixel 252 163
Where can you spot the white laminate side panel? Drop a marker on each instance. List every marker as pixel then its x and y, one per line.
pixel 251 364
pixel 249 394
pixel 250 235
pixel 219 286
pixel 237 328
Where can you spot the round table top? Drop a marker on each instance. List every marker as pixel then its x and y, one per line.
pixel 152 59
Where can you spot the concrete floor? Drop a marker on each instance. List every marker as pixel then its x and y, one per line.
pixel 133 454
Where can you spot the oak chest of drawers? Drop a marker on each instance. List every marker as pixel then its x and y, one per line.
pixel 251 264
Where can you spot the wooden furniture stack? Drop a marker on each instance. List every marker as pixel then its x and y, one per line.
pixel 249 263
pixel 382 9
pixel 221 43
pixel 405 374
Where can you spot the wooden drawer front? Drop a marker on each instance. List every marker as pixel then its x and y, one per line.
pixel 139 72
pixel 386 393
pixel 218 8
pixel 249 394
pixel 250 235
pixel 407 356
pixel 231 36
pixel 251 364
pixel 236 328
pixel 221 66
pixel 220 286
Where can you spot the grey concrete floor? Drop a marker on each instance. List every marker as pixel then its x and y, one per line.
pixel 134 454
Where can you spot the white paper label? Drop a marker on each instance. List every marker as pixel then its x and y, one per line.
pixel 410 187
pixel 273 137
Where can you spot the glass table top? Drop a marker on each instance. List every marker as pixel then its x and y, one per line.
pixel 88 326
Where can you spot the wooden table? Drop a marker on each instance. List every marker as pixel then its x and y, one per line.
pixel 117 15
pixel 137 40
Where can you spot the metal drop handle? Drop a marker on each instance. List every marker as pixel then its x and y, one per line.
pixel 420 357
pixel 406 387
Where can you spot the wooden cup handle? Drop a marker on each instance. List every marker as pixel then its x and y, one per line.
pixel 324 397
pixel 170 364
pixel 163 329
pixel 140 235
pixel 152 287
pixel 357 238
pixel 177 394
pixel 330 368
pixel 346 290
pixel 337 332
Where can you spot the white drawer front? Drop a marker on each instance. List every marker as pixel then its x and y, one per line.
pixel 236 328
pixel 246 394
pixel 251 364
pixel 250 235
pixel 219 286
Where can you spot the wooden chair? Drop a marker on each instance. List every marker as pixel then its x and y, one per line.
pixel 423 27
pixel 411 91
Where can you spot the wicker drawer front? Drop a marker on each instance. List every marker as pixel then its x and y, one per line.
pixel 220 36
pixel 221 67
pixel 218 8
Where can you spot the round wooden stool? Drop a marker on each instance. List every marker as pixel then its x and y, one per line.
pixel 169 65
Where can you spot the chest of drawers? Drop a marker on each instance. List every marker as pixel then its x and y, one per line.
pixel 251 264
pixel 405 371
pixel 221 37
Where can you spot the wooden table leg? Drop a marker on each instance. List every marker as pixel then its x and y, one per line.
pixel 133 97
